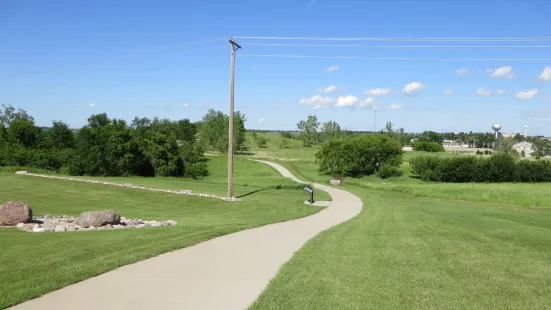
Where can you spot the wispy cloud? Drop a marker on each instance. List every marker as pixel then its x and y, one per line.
pixel 92 105
pixel 546 74
pixel 396 106
pixel 317 102
pixel 537 113
pixel 483 92
pixel 369 103
pixel 462 71
pixel 261 120
pixel 332 68
pixel 412 88
pixel 503 72
pixel 328 89
pixel 186 105
pixel 527 95
pixel 501 91
pixel 448 91
pixel 469 116
pixel 378 92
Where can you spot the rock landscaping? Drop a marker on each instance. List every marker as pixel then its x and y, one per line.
pixel 129 185
pixel 19 214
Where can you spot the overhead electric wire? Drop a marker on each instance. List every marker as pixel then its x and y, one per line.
pixel 518 39
pixel 399 46
pixel 394 58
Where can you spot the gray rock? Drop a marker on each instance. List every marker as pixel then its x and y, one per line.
pixel 44 229
pixel 171 222
pixel 72 228
pixel 98 218
pixel 15 212
pixel 335 182
pixel 21 172
pixel 60 228
pixel 108 226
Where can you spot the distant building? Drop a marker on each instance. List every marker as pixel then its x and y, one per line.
pixel 527 147
pixel 452 143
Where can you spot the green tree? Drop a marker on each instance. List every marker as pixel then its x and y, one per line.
pixel 359 155
pixel 331 130
pixel 308 130
pixel 60 136
pixel 10 114
pixel 24 132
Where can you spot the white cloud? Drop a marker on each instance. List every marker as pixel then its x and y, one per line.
pixel 317 101
pixel 527 95
pixel 378 92
pixel 186 105
pixel 501 91
pixel 369 102
pixel 503 72
pixel 347 101
pixel 261 120
pixel 333 68
pixel 254 67
pixel 448 91
pixel 92 105
pixel 281 100
pixel 469 116
pixel 328 89
pixel 413 88
pixel 546 74
pixel 462 71
pixel 483 92
pixel 396 106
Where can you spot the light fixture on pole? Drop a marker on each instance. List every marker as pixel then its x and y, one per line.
pixel 233 46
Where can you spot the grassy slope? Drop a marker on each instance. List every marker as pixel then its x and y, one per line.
pixel 421 254
pixel 407 252
pixel 32 264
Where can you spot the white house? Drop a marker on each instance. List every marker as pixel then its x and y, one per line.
pixel 527 147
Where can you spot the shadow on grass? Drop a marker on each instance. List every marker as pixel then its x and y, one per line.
pixel 244 153
pixel 250 193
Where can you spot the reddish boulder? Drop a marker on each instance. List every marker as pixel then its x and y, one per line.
pixel 15 212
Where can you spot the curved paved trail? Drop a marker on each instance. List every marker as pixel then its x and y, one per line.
pixel 228 272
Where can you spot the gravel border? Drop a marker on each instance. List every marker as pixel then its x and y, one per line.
pixel 181 192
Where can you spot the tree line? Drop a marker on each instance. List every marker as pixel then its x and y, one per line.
pixel 113 147
pixel 499 167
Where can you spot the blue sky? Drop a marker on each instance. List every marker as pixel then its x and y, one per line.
pixel 65 60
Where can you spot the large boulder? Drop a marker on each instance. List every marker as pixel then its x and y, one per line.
pixel 98 218
pixel 15 212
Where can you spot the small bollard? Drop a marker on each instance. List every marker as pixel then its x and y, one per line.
pixel 311 191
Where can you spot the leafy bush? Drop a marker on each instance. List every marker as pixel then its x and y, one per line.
pixel 427 146
pixel 500 167
pixel 359 155
pixel 388 171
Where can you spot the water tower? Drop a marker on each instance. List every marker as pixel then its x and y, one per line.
pixel 496 128
pixel 525 131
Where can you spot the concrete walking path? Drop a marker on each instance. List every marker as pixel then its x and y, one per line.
pixel 228 272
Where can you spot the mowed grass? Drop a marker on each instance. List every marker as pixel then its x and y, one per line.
pixel 410 253
pixel 32 264
pixel 249 177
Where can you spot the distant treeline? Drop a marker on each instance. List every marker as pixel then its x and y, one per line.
pixel 113 147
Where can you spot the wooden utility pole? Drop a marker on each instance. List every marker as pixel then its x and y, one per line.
pixel 233 46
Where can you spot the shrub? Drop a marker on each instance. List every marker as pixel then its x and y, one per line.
pixel 358 156
pixel 388 171
pixel 427 146
pixel 500 167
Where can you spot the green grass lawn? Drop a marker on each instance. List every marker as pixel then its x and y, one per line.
pixel 248 178
pixel 410 253
pixel 32 264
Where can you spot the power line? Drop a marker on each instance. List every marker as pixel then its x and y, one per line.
pixel 400 46
pixel 518 39
pixel 396 58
